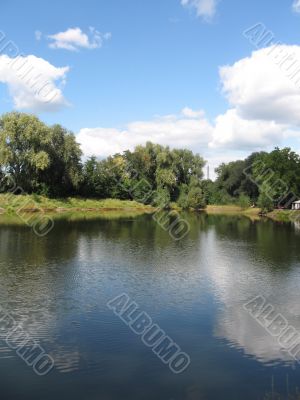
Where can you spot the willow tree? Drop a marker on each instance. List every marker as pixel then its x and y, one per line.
pixel 24 144
pixel 41 159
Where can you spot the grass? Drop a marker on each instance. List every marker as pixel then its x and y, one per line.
pixel 254 213
pixel 11 204
pixel 284 215
pixel 232 210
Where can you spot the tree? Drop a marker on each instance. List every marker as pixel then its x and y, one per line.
pixel 196 198
pixel 244 201
pixel 183 197
pixel 24 148
pixel 162 198
pixel 278 174
pixel 92 184
pixel 237 177
pixel 63 176
pixel 265 203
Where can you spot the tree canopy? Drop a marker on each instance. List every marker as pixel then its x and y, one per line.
pixel 268 179
pixel 47 160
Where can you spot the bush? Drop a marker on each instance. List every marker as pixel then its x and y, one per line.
pixel 162 199
pixel 183 197
pixel 196 198
pixel 265 203
pixel 244 201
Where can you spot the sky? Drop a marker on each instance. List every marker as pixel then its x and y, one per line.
pixel 220 77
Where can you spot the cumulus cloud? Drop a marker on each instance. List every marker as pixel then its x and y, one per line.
pixel 33 82
pixel 74 39
pixel 296 6
pixel 204 8
pixel 266 84
pixel 263 91
pixel 233 132
pixel 182 130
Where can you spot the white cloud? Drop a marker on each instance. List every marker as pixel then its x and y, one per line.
pixel 264 93
pixel 296 6
pixel 265 85
pixel 189 113
pixel 264 96
pixel 236 133
pixel 32 82
pixel 74 39
pixel 192 131
pixel 204 8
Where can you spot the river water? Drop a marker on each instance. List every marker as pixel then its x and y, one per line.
pixel 56 290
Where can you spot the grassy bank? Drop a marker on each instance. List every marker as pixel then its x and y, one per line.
pixel 232 210
pixel 284 215
pixel 11 204
pixel 254 213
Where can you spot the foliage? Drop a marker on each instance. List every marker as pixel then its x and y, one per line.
pixel 272 178
pixel 244 201
pixel 162 198
pixel 40 158
pixel 183 197
pixel 152 174
pixel 196 198
pixel 265 203
pixel 278 175
pixel 47 160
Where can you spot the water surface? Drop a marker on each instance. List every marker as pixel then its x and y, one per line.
pixel 57 288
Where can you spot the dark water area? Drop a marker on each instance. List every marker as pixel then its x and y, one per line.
pixel 56 288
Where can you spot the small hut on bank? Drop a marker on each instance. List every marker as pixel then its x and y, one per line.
pixel 296 205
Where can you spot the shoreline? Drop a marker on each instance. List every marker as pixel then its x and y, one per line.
pixel 252 213
pixel 11 205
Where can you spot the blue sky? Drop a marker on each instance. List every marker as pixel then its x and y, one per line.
pixel 151 70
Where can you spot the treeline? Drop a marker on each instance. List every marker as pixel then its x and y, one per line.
pixel 268 180
pixel 47 160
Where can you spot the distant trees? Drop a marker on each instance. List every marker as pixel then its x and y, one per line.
pixel 150 174
pixel 48 160
pixel 278 174
pixel 268 179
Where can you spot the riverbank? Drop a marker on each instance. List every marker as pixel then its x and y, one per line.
pixel 254 213
pixel 14 205
pixel 284 215
pixel 11 204
pixel 233 210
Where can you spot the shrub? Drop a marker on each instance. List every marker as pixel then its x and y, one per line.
pixel 244 201
pixel 196 198
pixel 162 198
pixel 265 203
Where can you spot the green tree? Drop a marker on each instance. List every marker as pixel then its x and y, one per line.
pixel 278 174
pixel 244 201
pixel 162 198
pixel 196 198
pixel 63 176
pixel 24 148
pixel 183 197
pixel 265 203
